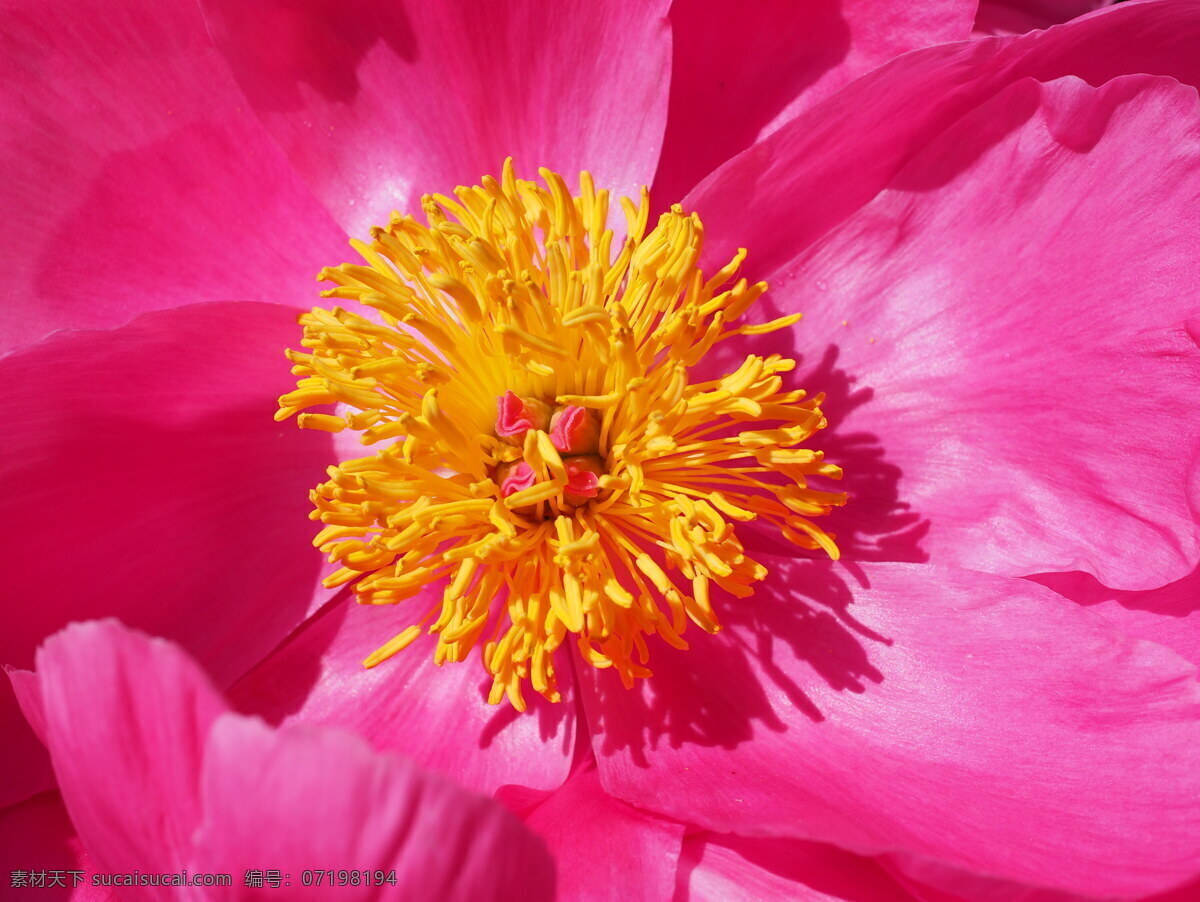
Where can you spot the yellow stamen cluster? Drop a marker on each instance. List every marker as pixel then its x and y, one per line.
pixel 514 285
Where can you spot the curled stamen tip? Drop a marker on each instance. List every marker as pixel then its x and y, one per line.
pixel 575 430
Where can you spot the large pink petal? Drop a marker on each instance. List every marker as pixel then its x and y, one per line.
pixel 148 481
pixel 740 71
pixel 125 720
pixel 604 848
pixel 722 868
pixel 793 186
pixel 958 715
pixel 377 106
pixel 298 800
pixel 1012 315
pixel 135 175
pixel 438 716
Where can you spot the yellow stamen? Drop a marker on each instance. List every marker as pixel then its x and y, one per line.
pixel 512 286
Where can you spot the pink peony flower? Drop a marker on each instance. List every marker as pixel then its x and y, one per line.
pixel 994 246
pixel 160 777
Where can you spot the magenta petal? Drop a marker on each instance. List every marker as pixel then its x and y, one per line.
pixel 377 106
pixel 437 716
pixel 740 71
pixel 604 848
pixel 963 716
pixel 1011 313
pixel 747 869
pixel 135 176
pixel 38 836
pixel 23 758
pixel 125 721
pixel 832 159
pixel 154 486
pixel 298 799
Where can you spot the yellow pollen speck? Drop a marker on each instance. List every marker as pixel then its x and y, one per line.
pixel 543 449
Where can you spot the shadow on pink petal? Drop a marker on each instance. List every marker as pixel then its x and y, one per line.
pixel 772 651
pixel 802 47
pixel 318 44
pixel 551 716
pixel 1178 599
pixel 876 524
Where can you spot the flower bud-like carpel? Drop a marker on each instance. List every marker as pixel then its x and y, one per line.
pixel 515 416
pixel 575 430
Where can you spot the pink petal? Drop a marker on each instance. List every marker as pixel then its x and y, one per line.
pixel 962 716
pixel 125 722
pixel 931 881
pixel 158 776
pixel 1010 316
pixel 1169 616
pixel 734 868
pixel 135 175
pixel 408 704
pixel 792 187
pixel 376 107
pixel 153 485
pixel 604 848
pixel 740 71
pixel 37 835
pixel 298 800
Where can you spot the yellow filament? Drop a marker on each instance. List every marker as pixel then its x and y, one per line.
pixel 513 285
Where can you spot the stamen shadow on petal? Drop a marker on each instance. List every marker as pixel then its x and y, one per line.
pixel 551 716
pixel 875 524
pixel 727 687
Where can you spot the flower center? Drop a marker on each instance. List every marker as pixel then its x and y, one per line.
pixel 543 455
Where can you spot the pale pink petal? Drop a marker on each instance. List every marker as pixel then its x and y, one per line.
pixel 299 799
pixel 147 480
pixel 962 716
pixel 1004 330
pixel 135 175
pixel 792 187
pixel 376 106
pixel 125 720
pixel 1018 16
pixel 740 71
pixel 38 836
pixel 724 868
pixel 1169 616
pixel 439 716
pixel 159 776
pixel 604 848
